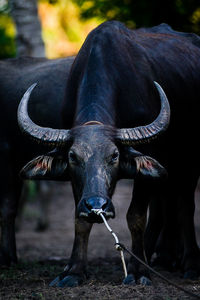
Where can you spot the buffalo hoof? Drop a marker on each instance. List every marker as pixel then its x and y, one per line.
pixel 130 280
pixel 145 281
pixel 67 281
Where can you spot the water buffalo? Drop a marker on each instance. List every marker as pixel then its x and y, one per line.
pixel 16 75
pixel 110 99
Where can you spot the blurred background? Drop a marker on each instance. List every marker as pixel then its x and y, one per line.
pixel 64 24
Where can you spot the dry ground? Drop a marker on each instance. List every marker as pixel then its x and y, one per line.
pixel 43 255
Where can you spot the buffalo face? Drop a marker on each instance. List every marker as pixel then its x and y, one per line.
pixel 93 165
pixel 93 162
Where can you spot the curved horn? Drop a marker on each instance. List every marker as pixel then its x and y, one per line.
pixel 143 134
pixel 44 135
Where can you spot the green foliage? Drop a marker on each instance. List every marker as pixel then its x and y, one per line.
pixel 136 13
pixel 7 32
pixel 7 43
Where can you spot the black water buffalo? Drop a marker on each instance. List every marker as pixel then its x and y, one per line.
pixel 16 75
pixel 110 97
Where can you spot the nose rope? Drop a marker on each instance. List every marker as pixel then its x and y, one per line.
pixel 99 212
pixel 120 247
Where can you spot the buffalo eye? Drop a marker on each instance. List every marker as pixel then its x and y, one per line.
pixel 72 157
pixel 114 157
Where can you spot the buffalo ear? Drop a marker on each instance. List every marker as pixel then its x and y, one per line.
pixel 45 167
pixel 149 167
pixel 134 164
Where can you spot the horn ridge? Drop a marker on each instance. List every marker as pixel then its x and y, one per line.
pixel 43 135
pixel 144 134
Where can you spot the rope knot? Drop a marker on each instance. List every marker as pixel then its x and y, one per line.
pixel 118 247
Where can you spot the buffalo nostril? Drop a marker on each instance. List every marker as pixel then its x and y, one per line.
pixel 96 203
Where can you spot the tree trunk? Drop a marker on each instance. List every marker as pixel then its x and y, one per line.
pixel 29 39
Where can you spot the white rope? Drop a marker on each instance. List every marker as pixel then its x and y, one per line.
pixel 99 212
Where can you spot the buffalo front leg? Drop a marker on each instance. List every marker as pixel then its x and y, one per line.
pixel 136 218
pixel 8 243
pixel 75 272
pixel 154 227
pixel 9 196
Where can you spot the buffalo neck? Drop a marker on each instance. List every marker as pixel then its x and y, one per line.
pixel 96 92
pixel 96 100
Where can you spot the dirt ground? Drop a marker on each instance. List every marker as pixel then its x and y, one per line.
pixel 43 255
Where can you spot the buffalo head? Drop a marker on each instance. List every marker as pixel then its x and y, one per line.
pixel 93 156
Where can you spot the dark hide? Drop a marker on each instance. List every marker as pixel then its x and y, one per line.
pixel 16 75
pixel 111 81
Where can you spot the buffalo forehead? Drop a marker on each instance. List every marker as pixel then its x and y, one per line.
pixel 88 148
pixel 88 141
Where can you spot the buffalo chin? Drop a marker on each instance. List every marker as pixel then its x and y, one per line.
pixel 93 218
